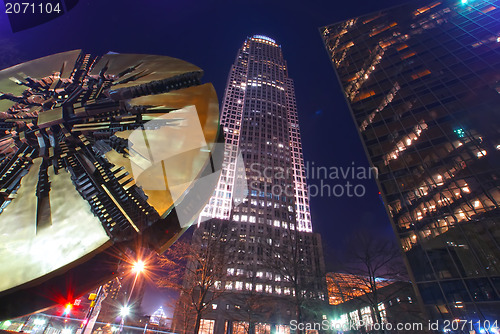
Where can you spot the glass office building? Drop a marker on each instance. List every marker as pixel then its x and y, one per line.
pixel 422 83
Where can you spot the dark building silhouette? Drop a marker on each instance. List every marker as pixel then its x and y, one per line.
pixel 396 305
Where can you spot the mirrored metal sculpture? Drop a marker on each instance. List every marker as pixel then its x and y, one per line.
pixel 97 154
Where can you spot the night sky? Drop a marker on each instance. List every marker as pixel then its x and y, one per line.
pixel 208 34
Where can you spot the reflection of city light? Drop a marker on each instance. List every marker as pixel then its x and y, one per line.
pixel 7 323
pixel 114 329
pixel 66 331
pixel 481 153
pixel 39 322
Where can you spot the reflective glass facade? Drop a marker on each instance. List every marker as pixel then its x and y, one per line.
pixel 422 82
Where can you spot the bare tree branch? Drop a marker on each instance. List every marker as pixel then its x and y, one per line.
pixel 195 269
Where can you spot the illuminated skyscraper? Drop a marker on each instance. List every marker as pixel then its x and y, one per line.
pixel 261 201
pixel 422 82
pixel 259 118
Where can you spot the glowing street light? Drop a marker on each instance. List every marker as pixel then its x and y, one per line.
pixel 138 267
pixel 125 311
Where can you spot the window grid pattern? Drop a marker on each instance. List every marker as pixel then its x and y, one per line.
pixel 422 81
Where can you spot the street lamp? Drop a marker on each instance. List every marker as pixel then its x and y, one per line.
pixel 125 311
pixel 138 267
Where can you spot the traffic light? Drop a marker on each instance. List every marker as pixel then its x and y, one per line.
pixel 67 309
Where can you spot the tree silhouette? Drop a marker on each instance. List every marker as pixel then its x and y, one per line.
pixel 372 263
pixel 291 257
pixel 195 269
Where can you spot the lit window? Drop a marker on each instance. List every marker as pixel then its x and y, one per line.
pixel 207 326
pixel 382 312
pixel 282 329
pixel 420 74
pixel 481 154
pixel 366 315
pixel 363 96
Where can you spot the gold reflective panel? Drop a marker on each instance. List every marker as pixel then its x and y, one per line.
pixel 51 67
pixel 27 253
pixel 98 154
pixel 133 69
pixel 166 169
